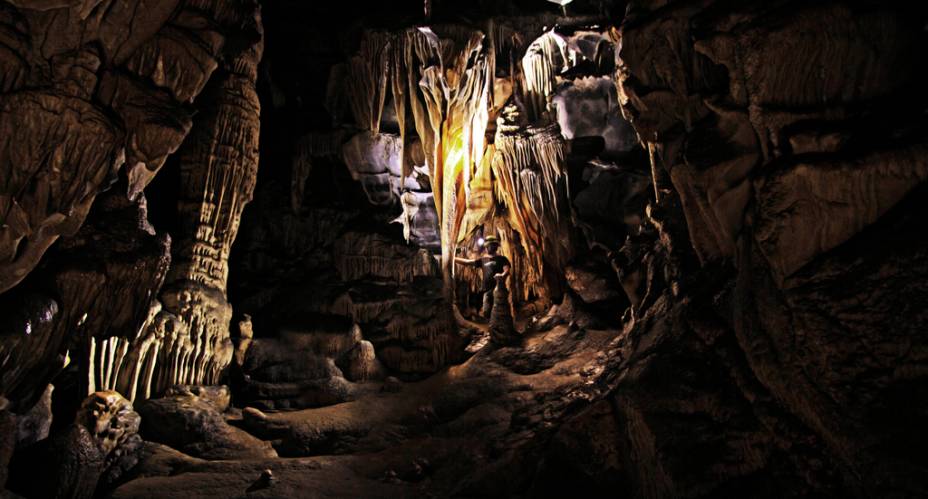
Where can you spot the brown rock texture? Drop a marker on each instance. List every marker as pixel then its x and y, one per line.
pixel 713 212
pixel 789 133
pixel 92 452
pixel 196 426
pixel 96 91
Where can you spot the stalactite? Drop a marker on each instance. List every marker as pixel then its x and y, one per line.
pixel 368 74
pixel 359 311
pixel 421 50
pixel 419 219
pixel 449 104
pixel 543 61
pixel 148 363
pixel 431 355
pixel 531 182
pixel 353 267
pixel 480 201
pixel 414 329
pixel 358 255
pixel 463 145
pixel 449 84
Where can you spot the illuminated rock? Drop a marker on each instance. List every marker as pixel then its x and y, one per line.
pixel 588 107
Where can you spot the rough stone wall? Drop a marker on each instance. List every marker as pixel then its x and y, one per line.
pixel 787 140
pixel 95 95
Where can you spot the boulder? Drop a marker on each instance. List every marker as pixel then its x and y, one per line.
pixel 87 456
pixel 193 425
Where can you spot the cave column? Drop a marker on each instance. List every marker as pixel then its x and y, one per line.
pixel 219 164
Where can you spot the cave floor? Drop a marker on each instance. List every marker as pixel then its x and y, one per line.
pixel 459 433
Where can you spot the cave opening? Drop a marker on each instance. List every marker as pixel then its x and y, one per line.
pixel 496 248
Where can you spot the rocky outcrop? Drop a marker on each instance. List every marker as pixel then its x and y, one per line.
pixel 391 173
pixel 95 97
pixel 588 107
pixel 44 134
pixel 366 292
pixel 105 277
pixel 103 86
pixel 298 369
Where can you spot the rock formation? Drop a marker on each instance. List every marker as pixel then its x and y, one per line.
pixel 117 88
pixel 192 422
pixel 712 213
pixel 769 158
pixel 89 456
pixel 95 97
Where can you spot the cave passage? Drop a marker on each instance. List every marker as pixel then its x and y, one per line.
pixel 495 248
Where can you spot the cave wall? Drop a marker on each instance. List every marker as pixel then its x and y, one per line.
pixel 787 147
pixel 96 96
pixel 745 181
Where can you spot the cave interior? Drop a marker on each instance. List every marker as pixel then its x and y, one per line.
pixel 491 248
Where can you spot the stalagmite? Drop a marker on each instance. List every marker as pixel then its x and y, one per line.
pixel 502 329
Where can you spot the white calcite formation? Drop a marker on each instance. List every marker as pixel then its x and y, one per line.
pixel 589 107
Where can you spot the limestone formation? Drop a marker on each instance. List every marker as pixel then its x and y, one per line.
pixel 758 154
pixel 502 330
pixel 218 168
pixel 713 213
pixel 588 107
pixel 142 74
pixel 361 363
pixel 359 255
pixel 194 424
pixel 112 86
pixel 88 455
pixel 110 419
pixel 532 184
